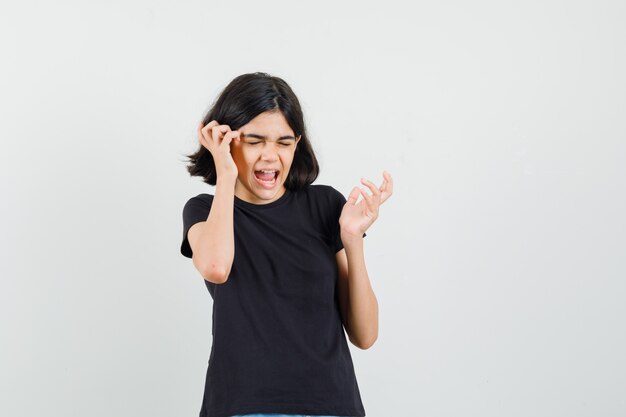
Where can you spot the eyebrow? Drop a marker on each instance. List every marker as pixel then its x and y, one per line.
pixel 257 136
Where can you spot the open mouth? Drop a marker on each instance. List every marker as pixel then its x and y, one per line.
pixel 266 178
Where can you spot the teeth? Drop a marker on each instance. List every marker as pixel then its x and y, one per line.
pixel 272 181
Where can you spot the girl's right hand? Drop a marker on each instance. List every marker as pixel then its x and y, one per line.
pixel 216 139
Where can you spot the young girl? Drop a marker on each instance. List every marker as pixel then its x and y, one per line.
pixel 282 259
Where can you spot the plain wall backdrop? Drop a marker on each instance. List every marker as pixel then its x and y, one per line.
pixel 498 262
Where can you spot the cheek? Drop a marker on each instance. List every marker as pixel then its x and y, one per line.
pixel 287 156
pixel 242 158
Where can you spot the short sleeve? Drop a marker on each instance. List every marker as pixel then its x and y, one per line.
pixel 337 202
pixel 195 210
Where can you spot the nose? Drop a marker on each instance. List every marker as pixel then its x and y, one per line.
pixel 269 152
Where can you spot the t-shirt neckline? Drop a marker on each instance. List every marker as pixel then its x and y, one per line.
pixel 242 203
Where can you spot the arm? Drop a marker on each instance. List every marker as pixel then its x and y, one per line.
pixel 212 241
pixel 357 302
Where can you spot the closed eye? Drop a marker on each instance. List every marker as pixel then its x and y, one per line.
pixel 281 143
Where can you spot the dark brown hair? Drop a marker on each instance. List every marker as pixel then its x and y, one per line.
pixel 244 98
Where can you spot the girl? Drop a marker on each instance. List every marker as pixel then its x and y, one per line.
pixel 282 259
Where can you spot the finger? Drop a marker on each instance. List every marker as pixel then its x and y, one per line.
pixel 203 135
pixel 387 176
pixel 212 123
pixel 383 191
pixel 208 129
pixel 388 186
pixel 205 128
pixel 369 200
pixel 354 195
pixel 372 187
pixel 218 131
pixel 200 135
pixel 228 137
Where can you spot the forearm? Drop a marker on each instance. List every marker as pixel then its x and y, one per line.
pixel 363 306
pixel 216 240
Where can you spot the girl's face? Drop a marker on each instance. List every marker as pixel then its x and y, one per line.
pixel 267 143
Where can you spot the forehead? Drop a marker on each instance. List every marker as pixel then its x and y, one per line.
pixel 271 124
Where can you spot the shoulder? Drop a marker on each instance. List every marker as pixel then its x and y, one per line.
pixel 200 199
pixel 200 203
pixel 324 191
pixel 327 197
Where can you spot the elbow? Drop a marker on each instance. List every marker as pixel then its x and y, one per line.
pixel 366 343
pixel 215 275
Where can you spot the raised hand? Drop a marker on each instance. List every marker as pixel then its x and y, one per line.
pixel 216 139
pixel 355 218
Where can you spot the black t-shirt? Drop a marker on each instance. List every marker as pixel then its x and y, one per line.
pixel 278 341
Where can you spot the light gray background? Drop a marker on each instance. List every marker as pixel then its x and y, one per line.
pixel 498 263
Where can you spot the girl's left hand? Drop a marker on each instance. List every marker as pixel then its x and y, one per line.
pixel 355 218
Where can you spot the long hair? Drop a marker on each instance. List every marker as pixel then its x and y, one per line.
pixel 244 98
